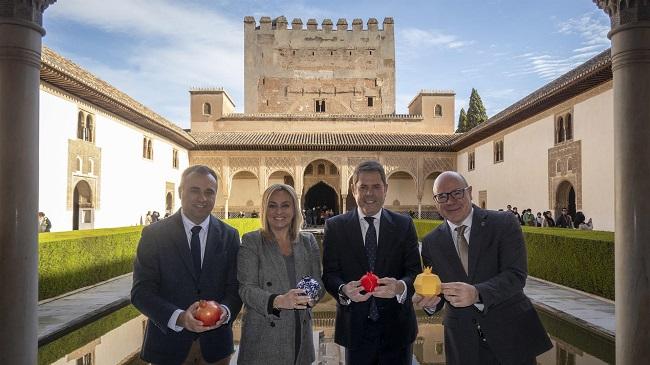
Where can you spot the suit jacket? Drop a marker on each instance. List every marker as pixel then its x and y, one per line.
pixel 262 273
pixel 164 280
pixel 344 260
pixel 497 268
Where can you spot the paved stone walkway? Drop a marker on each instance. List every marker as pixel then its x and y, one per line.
pixel 584 309
pixel 69 312
pixel 64 314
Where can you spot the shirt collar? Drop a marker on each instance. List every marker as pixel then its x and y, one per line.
pixel 466 222
pixel 362 216
pixel 188 224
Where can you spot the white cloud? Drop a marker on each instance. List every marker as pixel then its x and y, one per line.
pixel 415 38
pixel 175 46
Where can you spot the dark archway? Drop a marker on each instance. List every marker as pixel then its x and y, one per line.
pixel 169 203
pixel 321 196
pixel 565 196
pixel 82 207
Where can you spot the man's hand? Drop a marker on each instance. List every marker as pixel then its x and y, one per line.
pixel 293 299
pixel 186 319
pixel 426 302
pixel 388 288
pixel 460 294
pixel 353 291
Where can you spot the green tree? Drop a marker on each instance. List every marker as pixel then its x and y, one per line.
pixel 476 112
pixel 462 121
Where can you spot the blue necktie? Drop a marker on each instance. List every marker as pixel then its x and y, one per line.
pixel 371 253
pixel 195 248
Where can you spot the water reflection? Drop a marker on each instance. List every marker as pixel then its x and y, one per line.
pixel 571 345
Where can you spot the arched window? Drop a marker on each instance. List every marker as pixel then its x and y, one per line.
pixel 437 111
pixel 90 127
pixel 333 170
pixel 79 164
pixel 207 109
pixel 558 166
pixel 569 127
pixel 91 166
pixel 144 147
pixel 150 150
pixel 560 130
pixel 321 169
pixel 309 170
pixel 81 125
pixel 569 164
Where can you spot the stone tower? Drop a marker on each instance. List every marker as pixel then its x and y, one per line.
pixel 319 70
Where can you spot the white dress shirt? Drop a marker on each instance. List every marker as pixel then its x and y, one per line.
pixel 203 238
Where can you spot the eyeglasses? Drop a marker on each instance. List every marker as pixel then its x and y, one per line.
pixel 456 194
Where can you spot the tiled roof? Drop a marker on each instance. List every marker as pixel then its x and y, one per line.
pixel 322 141
pixel 590 74
pixel 68 76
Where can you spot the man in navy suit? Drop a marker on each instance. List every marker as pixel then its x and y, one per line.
pixel 480 257
pixel 187 257
pixel 377 327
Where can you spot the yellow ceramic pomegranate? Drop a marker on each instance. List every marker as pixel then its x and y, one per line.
pixel 427 284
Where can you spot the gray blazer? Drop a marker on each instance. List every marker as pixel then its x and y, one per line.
pixel 261 271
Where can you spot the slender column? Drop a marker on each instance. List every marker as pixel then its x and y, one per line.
pixel 420 207
pixel 630 36
pixel 20 59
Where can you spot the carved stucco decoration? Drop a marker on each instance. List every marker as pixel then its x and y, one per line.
pixel 287 164
pixel 436 165
pixel 406 164
pixel 623 12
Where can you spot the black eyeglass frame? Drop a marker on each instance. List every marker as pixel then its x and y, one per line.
pixel 457 194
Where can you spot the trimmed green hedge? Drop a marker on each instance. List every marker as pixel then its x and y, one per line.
pixel 73 260
pixel 583 260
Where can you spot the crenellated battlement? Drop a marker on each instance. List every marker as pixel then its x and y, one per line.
pixel 281 23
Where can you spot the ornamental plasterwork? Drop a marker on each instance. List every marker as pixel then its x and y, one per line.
pixel 437 165
pixel 250 164
pixel 214 163
pixel 274 164
pixel 354 161
pixel 392 164
pixel 623 12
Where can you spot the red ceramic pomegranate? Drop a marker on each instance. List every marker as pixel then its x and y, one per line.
pixel 209 312
pixel 369 281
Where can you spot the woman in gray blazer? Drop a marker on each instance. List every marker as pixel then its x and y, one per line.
pixel 277 320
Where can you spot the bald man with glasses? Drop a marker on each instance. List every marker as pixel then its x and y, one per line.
pixel 480 257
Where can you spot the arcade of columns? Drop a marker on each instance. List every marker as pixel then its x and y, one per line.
pixel 20 44
pixel 228 164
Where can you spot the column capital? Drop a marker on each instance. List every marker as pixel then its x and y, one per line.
pixel 622 12
pixel 29 12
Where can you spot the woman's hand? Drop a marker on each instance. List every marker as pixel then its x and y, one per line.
pixel 293 299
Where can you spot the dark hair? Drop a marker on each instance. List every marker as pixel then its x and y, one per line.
pixel 369 166
pixel 199 169
pixel 580 218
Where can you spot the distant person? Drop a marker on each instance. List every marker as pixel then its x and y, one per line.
pixel 528 218
pixel 44 224
pixel 581 224
pixel 155 216
pixel 516 213
pixel 539 220
pixel 548 219
pixel 187 257
pixel 564 220
pixel 148 219
pixel 480 256
pixel 277 326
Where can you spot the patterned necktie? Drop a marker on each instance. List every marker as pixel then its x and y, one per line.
pixel 463 247
pixel 371 254
pixel 195 248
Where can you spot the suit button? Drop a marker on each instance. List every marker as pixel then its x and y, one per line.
pixel 272 324
pixel 268 283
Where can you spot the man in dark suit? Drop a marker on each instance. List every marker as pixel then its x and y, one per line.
pixel 480 257
pixel 187 257
pixel 377 327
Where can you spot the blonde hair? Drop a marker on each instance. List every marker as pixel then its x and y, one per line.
pixel 296 221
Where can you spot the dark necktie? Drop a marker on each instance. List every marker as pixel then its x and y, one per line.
pixel 463 247
pixel 195 248
pixel 371 253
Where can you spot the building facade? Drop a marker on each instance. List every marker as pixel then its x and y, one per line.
pixel 318 101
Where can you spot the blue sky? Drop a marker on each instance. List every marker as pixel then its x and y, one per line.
pixel 156 50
